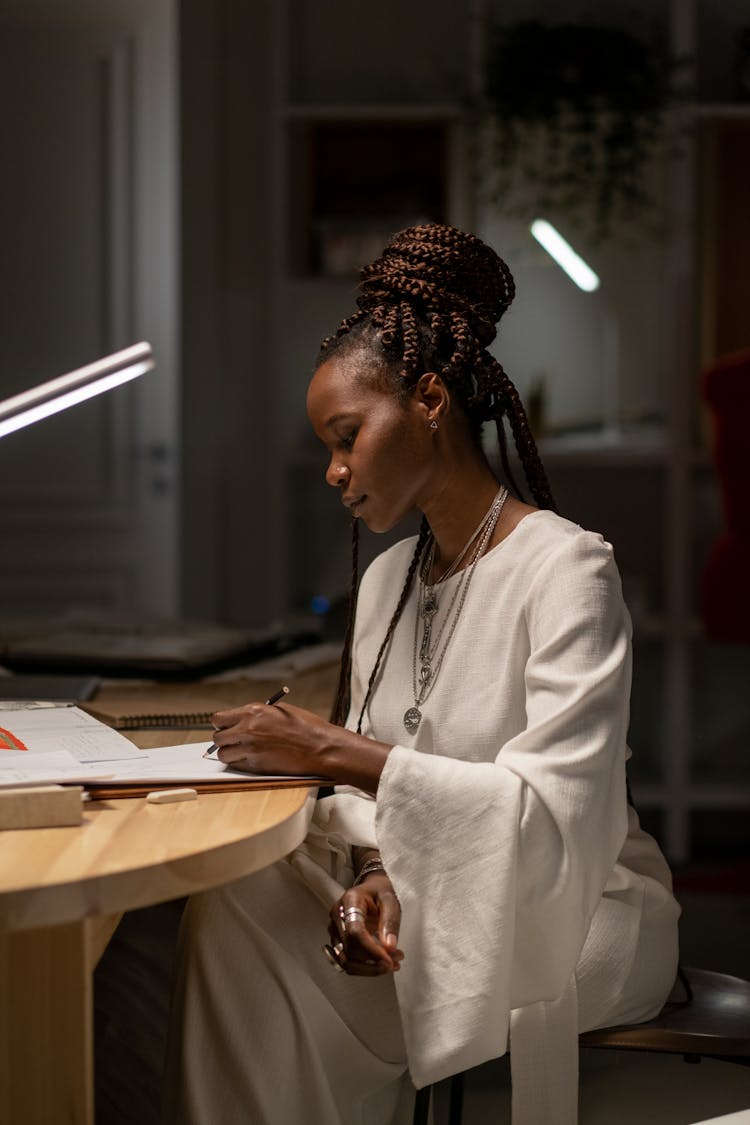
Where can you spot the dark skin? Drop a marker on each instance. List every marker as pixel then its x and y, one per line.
pixel 371 947
pixel 387 460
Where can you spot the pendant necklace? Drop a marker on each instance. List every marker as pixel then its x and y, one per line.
pixel 428 655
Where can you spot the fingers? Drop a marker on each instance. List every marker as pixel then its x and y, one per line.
pixel 354 959
pixel 233 734
pixel 237 756
pixel 390 919
pixel 249 714
pixel 232 715
pixel 354 928
pixel 336 955
pixel 362 947
pixel 230 726
pixel 269 738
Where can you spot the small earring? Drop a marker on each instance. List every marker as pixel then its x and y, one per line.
pixel 433 424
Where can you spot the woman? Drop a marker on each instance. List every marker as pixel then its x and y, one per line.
pixel 481 873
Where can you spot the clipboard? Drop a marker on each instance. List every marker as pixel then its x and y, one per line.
pixel 112 791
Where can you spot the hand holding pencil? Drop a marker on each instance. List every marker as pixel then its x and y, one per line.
pixel 271 737
pixel 277 695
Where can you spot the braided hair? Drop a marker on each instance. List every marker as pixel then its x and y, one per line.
pixel 431 302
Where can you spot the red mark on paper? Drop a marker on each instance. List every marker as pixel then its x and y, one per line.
pixel 9 741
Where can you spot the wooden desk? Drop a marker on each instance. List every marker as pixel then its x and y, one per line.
pixel 62 891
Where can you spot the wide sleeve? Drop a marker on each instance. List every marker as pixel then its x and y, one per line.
pixel 500 866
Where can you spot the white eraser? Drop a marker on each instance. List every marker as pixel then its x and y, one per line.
pixel 165 796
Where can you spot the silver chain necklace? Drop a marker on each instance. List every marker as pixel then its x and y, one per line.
pixel 430 554
pixel 428 597
pixel 429 656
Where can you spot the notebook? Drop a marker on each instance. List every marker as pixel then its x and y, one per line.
pixel 141 710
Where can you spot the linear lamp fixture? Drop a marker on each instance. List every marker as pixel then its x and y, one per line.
pixel 564 254
pixel 68 390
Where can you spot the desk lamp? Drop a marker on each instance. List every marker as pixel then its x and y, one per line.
pixel 68 390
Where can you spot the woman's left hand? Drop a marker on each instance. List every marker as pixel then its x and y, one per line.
pixel 278 738
pixel 368 937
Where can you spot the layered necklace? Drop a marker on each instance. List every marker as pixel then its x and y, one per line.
pixel 429 653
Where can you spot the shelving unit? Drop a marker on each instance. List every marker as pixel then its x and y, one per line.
pixel 651 492
pixel 686 696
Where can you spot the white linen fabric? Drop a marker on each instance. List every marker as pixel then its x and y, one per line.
pixel 263 1031
pixel 533 905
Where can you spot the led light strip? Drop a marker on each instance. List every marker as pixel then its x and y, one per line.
pixel 67 390
pixel 564 254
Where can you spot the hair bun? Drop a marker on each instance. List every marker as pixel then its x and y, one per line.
pixel 440 269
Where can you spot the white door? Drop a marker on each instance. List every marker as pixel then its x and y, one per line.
pixel 88 504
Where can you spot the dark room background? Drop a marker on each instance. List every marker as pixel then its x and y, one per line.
pixel 208 175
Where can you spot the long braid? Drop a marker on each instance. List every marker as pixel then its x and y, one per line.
pixel 431 302
pixel 341 703
pixel 424 534
pixel 523 438
pixel 502 442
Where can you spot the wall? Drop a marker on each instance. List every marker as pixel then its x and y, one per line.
pixel 89 266
pixel 229 393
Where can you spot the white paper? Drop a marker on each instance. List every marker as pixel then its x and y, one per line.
pixel 183 763
pixel 48 729
pixel 30 704
pixel 19 768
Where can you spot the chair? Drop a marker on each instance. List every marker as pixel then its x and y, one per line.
pixel 712 1021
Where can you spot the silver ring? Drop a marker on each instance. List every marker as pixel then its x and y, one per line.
pixel 332 955
pixel 353 914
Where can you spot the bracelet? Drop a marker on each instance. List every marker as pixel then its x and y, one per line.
pixel 374 864
pixel 369 868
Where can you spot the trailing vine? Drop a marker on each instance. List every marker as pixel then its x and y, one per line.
pixel 577 115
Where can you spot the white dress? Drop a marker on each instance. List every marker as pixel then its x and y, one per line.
pixel 533 905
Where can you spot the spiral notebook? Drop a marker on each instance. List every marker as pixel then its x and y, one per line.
pixel 140 710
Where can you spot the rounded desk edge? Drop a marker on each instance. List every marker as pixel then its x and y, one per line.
pixel 161 878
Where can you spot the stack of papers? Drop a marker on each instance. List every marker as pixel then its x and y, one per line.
pixel 43 744
pixel 31 730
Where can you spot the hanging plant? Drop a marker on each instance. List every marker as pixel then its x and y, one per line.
pixel 577 114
